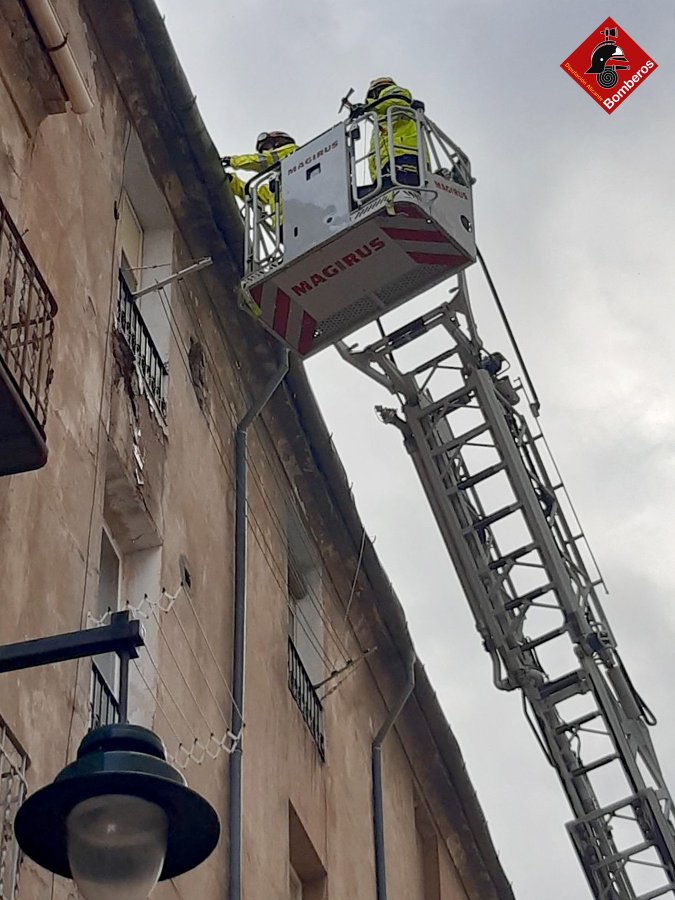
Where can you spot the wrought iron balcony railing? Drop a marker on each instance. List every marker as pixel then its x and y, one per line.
pixel 151 367
pixel 103 704
pixel 13 765
pixel 306 697
pixel 27 311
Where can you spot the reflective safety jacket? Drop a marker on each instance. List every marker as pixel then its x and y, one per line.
pixel 258 162
pixel 404 127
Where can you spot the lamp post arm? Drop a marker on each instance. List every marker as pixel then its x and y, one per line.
pixel 123 636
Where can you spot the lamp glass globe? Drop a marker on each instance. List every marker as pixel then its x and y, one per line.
pixel 116 846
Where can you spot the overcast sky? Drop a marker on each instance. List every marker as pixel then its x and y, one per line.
pixel 574 216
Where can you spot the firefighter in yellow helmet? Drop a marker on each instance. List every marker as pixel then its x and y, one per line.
pixel 383 94
pixel 272 147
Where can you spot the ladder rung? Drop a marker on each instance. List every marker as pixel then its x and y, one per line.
pixel 622 854
pixel 424 367
pixel 562 684
pixel 596 764
pixel 527 598
pixel 493 517
pixel 543 638
pixel 449 400
pixel 462 439
pixel 575 723
pixel 512 557
pixel 658 892
pixel 480 476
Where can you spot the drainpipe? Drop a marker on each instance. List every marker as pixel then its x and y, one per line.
pixel 378 811
pixel 55 40
pixel 239 639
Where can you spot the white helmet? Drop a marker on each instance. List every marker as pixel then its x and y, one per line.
pixel 270 140
pixel 377 85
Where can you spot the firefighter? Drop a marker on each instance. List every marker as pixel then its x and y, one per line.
pixel 272 147
pixel 383 94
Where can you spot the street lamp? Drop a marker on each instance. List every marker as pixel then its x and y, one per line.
pixel 120 818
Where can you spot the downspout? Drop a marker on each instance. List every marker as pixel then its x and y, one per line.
pixel 376 759
pixel 239 627
pixel 56 42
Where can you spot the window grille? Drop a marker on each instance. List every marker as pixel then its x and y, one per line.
pixel 103 704
pixel 306 697
pixel 152 368
pixel 13 765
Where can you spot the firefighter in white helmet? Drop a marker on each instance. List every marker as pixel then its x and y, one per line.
pixel 383 94
pixel 272 147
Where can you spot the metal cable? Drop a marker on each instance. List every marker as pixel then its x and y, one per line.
pixel 282 532
pixel 535 405
pixel 227 468
pixel 184 677
pixel 197 750
pixel 356 575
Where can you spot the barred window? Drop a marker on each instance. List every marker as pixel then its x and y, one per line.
pixel 103 699
pixel 13 765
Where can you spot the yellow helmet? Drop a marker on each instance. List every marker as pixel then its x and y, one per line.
pixel 377 85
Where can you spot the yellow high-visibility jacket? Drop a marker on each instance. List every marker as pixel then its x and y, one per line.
pixel 404 128
pixel 258 162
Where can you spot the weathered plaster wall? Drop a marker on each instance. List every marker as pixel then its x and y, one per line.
pixel 58 178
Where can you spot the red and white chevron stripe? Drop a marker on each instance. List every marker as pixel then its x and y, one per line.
pixel 424 243
pixel 295 326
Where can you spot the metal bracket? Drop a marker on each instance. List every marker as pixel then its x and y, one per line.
pixel 123 636
pixel 177 276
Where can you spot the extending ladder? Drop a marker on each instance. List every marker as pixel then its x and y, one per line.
pixel 526 571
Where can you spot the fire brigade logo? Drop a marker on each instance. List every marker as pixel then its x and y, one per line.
pixel 609 65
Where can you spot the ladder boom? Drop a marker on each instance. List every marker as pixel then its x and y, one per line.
pixel 532 585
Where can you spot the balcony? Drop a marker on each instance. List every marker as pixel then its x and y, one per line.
pixel 306 697
pixel 151 368
pixel 27 311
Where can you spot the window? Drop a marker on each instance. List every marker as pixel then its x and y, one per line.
pixel 131 244
pixel 13 765
pixel 307 878
pixel 130 572
pixel 105 667
pixel 305 629
pixel 145 247
pixel 130 318
pixel 305 605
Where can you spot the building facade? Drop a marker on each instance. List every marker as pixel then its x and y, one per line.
pixel 139 396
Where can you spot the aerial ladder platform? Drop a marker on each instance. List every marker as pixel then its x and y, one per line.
pixel 474 438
